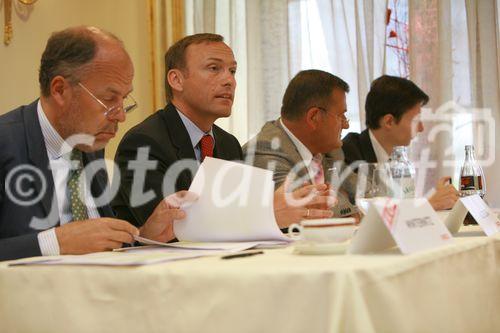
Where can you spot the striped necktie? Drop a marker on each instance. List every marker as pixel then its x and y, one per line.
pixel 76 188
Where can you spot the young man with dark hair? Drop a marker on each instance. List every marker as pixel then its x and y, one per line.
pixel 305 142
pixel 393 107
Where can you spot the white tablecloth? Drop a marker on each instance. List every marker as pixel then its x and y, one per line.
pixel 451 289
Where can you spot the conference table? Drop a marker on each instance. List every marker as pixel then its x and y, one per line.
pixel 454 288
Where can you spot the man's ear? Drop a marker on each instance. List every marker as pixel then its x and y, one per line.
pixel 387 121
pixel 175 79
pixel 60 90
pixel 313 117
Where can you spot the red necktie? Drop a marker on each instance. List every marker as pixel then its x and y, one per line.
pixel 206 146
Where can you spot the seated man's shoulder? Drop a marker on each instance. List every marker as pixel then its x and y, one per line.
pixel 150 126
pixel 268 138
pixel 12 117
pixel 351 138
pixel 351 147
pixel 271 145
pixel 219 132
pixel 12 130
pixel 359 148
pixel 149 139
pixel 13 120
pixel 229 147
pixel 270 130
pixel 152 132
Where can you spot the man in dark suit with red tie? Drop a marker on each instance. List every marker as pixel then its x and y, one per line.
pixel 170 144
pixel 200 87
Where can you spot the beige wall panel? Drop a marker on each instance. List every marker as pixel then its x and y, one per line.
pixel 19 62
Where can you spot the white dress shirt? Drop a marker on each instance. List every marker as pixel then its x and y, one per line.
pixel 58 152
pixel 380 152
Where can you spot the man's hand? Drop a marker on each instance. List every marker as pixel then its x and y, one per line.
pixel 159 226
pixel 445 195
pixel 307 202
pixel 94 235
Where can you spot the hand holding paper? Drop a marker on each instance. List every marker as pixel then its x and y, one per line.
pixel 235 204
pixel 159 226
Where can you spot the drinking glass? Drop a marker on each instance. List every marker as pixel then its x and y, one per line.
pixel 374 180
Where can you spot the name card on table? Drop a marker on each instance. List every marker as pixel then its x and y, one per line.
pixel 411 224
pixel 482 213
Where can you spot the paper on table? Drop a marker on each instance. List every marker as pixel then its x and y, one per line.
pixel 412 224
pixel 235 204
pixel 485 217
pixel 209 246
pixel 117 259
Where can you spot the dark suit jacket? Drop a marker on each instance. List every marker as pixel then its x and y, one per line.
pixel 21 143
pixel 358 147
pixel 167 139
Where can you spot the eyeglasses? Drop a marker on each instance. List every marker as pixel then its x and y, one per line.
pixel 127 105
pixel 341 117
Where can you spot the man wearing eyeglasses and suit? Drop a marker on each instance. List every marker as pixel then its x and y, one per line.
pixel 53 193
pixel 305 142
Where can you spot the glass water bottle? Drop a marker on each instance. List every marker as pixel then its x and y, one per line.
pixel 403 174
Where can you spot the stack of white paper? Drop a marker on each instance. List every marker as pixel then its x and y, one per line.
pixel 235 204
pixel 208 246
pixel 134 258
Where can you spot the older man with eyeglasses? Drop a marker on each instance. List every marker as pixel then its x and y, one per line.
pixel 304 143
pixel 54 182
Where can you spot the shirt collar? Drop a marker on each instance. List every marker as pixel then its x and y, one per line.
pixel 380 152
pixel 54 143
pixel 303 151
pixel 195 133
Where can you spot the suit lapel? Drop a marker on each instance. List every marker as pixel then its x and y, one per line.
pixel 37 153
pixel 219 150
pixel 179 137
pixel 178 133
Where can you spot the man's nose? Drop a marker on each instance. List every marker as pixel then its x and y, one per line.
pixel 229 79
pixel 420 127
pixel 345 123
pixel 118 116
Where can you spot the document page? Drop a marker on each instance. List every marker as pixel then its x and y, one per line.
pixel 235 204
